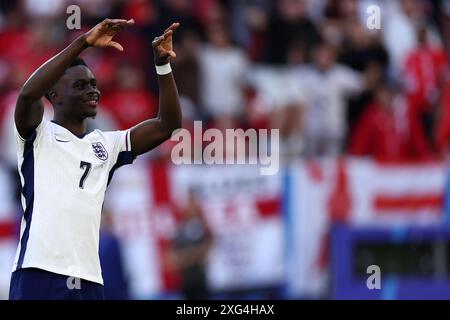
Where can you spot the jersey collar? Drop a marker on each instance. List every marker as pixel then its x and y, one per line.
pixel 68 131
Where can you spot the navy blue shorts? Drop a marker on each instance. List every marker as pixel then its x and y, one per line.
pixel 38 284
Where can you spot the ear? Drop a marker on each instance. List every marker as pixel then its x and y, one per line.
pixel 53 96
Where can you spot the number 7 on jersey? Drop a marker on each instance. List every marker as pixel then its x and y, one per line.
pixel 87 166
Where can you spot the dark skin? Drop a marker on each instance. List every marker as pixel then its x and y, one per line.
pixel 74 94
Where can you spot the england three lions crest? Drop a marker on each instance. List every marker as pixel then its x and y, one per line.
pixel 100 151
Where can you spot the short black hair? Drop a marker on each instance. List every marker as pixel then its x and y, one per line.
pixel 76 62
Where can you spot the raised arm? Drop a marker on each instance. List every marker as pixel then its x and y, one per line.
pixel 29 108
pixel 150 133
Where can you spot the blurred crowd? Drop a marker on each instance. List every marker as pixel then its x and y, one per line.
pixel 311 68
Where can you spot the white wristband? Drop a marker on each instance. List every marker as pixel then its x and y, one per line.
pixel 164 69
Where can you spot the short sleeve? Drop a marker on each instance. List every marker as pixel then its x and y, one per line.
pixel 120 148
pixel 35 137
pixel 120 140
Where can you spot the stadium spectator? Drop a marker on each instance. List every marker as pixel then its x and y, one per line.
pixel 387 130
pixel 111 260
pixel 191 246
pixel 290 22
pixel 374 75
pixel 359 48
pixel 443 124
pixel 423 74
pixel 326 85
pixel 253 64
pixel 130 91
pixel 223 72
pixel 188 68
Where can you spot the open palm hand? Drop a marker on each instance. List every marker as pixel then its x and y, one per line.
pixel 102 34
pixel 163 47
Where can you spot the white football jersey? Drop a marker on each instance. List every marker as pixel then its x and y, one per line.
pixel 64 178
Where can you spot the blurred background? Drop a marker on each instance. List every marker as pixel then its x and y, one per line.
pixel 364 120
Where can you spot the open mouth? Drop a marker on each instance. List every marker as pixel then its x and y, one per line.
pixel 93 102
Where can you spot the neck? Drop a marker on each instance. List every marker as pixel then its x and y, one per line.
pixel 77 127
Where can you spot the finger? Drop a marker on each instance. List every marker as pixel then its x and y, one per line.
pixel 172 54
pixel 164 36
pixel 115 28
pixel 106 22
pixel 116 21
pixel 116 24
pixel 157 41
pixel 115 45
pixel 167 34
pixel 172 27
pixel 124 24
pixel 161 39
